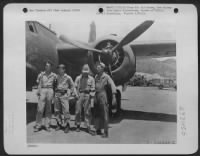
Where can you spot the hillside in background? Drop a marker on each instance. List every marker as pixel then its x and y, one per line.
pixel 165 68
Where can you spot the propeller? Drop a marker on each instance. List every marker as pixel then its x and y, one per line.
pixel 133 34
pixel 127 39
pixel 79 44
pixel 136 32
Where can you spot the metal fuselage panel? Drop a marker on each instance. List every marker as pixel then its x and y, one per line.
pixel 40 47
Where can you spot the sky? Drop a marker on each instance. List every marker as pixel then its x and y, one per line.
pixel 160 30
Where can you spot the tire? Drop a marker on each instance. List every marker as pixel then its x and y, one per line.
pixel 118 109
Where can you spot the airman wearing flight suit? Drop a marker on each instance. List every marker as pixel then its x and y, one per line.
pixel 85 86
pixel 45 95
pixel 101 103
pixel 64 89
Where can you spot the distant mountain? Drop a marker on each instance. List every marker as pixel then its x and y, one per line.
pixel 166 68
pixel 170 62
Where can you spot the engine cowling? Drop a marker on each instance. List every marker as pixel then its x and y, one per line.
pixel 123 61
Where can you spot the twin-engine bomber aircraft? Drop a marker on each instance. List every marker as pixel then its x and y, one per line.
pixel 118 55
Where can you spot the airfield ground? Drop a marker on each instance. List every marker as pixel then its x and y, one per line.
pixel 148 116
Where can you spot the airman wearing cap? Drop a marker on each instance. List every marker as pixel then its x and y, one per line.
pixel 64 89
pixel 85 86
pixel 101 105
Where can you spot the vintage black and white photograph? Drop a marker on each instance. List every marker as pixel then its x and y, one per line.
pixel 101 81
pixel 100 78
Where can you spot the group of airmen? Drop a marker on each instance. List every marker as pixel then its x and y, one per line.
pixel 89 91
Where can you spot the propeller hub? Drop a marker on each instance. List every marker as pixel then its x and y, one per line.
pixel 106 56
pixel 110 57
pixel 108 53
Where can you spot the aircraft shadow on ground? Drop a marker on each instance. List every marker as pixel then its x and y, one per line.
pixel 170 89
pixel 139 115
pixel 125 114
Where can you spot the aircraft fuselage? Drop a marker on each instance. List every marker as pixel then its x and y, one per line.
pixel 40 47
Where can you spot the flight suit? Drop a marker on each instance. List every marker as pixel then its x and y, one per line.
pixel 85 87
pixel 64 89
pixel 46 93
pixel 101 101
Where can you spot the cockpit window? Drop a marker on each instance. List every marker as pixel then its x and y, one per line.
pixel 31 27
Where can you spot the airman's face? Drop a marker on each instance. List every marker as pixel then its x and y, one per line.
pixel 99 69
pixel 85 73
pixel 61 70
pixel 48 67
pixel 85 70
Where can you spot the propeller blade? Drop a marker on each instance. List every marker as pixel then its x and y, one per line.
pixel 99 58
pixel 79 44
pixel 134 34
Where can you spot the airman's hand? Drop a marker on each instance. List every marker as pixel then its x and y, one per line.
pixel 66 95
pixel 38 93
pixel 76 95
pixel 68 92
pixel 92 102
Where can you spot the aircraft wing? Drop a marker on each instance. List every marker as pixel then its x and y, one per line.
pixel 154 49
pixel 62 46
pixel 73 57
pixel 69 51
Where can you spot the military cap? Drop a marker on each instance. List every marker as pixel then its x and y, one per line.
pixel 61 66
pixel 85 68
pixel 48 62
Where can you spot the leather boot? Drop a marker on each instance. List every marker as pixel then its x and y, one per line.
pixel 105 134
pixel 37 128
pixel 67 128
pixel 48 129
pixel 90 131
pixel 98 132
pixel 78 128
pixel 58 128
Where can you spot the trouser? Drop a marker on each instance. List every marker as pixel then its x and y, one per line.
pixel 83 101
pixel 44 102
pixel 101 114
pixel 62 107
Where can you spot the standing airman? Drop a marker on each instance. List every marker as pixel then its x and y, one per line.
pixel 45 94
pixel 102 80
pixel 85 87
pixel 64 89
